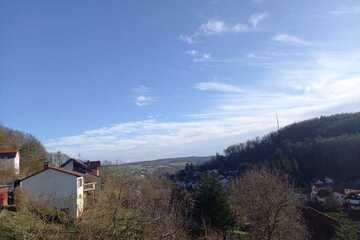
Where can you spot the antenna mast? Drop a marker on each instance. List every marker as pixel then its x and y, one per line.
pixel 277 121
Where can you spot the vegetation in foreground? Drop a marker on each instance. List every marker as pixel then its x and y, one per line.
pixel 131 207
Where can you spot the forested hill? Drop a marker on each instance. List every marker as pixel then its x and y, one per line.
pixel 325 146
pixel 32 152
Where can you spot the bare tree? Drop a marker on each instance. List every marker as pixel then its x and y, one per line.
pixel 133 208
pixel 265 202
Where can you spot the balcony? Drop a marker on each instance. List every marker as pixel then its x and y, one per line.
pixel 89 187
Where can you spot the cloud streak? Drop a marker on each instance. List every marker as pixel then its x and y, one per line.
pixel 255 19
pixel 197 56
pixel 217 27
pixel 289 39
pixel 143 100
pixel 143 97
pixel 218 87
pixel 354 10
pixel 213 27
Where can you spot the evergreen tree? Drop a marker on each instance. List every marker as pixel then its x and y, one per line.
pixel 211 207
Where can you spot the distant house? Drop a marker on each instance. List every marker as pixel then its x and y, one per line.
pixel 352 200
pixel 90 170
pixel 90 167
pixel 58 188
pixel 10 159
pixel 324 185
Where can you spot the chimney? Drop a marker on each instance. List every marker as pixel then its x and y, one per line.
pixel 46 164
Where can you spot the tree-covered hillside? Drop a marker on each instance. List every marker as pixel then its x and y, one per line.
pixel 325 146
pixel 32 152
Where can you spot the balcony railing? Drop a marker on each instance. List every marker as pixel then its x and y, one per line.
pixel 89 186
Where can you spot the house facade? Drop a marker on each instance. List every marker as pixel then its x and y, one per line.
pixel 10 160
pixel 58 188
pixel 352 201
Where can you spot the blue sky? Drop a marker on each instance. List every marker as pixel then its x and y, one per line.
pixel 137 80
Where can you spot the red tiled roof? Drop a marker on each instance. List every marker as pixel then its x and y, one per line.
pixel 8 149
pixel 76 174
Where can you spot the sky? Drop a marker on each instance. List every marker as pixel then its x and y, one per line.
pixel 139 80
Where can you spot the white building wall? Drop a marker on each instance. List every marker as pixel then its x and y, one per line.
pixel 56 189
pixel 7 164
pixel 11 164
pixel 80 196
pixel 17 163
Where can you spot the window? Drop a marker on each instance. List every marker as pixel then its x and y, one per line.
pixel 80 182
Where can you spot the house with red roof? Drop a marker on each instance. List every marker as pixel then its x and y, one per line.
pixel 56 187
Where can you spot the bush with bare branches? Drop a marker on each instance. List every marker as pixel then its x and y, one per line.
pixel 265 202
pixel 132 208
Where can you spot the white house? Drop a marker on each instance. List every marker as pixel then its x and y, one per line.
pixel 10 159
pixel 58 188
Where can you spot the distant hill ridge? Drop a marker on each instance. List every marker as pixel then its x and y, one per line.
pixel 166 165
pixel 177 160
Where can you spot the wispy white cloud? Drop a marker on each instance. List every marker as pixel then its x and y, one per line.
pixel 321 83
pixel 346 11
pixel 193 53
pixel 290 39
pixel 143 97
pixel 141 89
pixel 255 19
pixel 218 87
pixel 143 100
pixel 198 56
pixel 189 39
pixel 214 27
pixel 217 27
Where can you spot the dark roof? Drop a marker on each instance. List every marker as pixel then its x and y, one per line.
pixel 7 154
pixel 88 166
pixel 56 169
pixel 75 160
